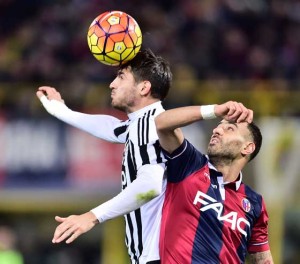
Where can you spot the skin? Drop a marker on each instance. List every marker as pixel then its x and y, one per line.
pixel 126 95
pixel 229 148
pixel 129 96
pixel 261 258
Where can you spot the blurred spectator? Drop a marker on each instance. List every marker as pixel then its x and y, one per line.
pixel 240 39
pixel 44 42
pixel 9 254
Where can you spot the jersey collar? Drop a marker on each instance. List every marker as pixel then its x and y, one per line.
pixel 236 183
pixel 141 111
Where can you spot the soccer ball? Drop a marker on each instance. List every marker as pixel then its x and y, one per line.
pixel 114 38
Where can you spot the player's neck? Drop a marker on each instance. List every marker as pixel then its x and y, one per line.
pixel 230 171
pixel 144 102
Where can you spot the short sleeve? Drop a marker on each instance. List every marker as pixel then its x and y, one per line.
pixel 259 237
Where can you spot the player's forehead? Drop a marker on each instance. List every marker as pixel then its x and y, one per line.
pixel 226 122
pixel 125 72
pixel 240 125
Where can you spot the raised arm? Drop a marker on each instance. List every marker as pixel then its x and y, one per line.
pixel 101 126
pixel 169 122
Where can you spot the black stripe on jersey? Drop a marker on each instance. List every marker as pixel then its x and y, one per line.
pixel 153 111
pixel 157 151
pixel 120 130
pixel 144 154
pixel 143 129
pixel 138 130
pixel 129 222
pixel 139 229
pixel 142 132
pixel 131 162
pixel 147 127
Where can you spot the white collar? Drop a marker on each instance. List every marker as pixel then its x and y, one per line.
pixel 141 111
pixel 220 179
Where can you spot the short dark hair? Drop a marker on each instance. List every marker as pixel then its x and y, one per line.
pixel 257 138
pixel 147 66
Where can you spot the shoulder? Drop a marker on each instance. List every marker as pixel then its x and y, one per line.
pixel 256 199
pixel 184 161
pixel 185 151
pixel 252 194
pixel 143 128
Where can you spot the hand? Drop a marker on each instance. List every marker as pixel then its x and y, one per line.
pixel 73 226
pixel 234 112
pixel 49 92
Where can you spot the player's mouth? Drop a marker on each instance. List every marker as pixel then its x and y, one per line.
pixel 214 140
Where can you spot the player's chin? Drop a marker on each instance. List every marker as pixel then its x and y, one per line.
pixel 211 149
pixel 113 101
pixel 117 105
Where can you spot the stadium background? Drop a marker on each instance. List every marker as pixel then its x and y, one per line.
pixel 219 50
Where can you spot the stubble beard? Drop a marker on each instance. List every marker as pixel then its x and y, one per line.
pixel 220 156
pixel 119 107
pixel 123 105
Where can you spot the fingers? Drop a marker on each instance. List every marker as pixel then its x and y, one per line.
pixel 69 235
pixel 66 230
pixel 71 238
pixel 237 112
pixel 50 92
pixel 71 227
pixel 39 94
pixel 60 219
pixel 246 116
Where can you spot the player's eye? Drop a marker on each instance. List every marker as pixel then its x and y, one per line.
pixel 120 74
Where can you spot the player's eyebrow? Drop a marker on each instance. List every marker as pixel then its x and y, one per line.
pixel 228 122
pixel 120 72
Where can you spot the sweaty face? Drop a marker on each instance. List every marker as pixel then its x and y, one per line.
pixel 124 92
pixel 227 141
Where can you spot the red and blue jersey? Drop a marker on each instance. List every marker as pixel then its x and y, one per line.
pixel 206 220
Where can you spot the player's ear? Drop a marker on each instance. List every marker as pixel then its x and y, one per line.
pixel 145 88
pixel 248 148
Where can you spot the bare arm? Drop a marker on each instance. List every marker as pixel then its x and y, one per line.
pixel 261 258
pixel 169 122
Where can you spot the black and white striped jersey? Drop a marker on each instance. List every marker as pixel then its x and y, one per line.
pixel 142 148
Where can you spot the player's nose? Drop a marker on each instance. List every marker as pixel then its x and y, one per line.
pixel 218 130
pixel 111 86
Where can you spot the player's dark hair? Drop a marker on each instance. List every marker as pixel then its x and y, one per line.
pixel 147 66
pixel 257 138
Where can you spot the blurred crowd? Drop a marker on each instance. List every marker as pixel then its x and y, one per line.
pixel 42 40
